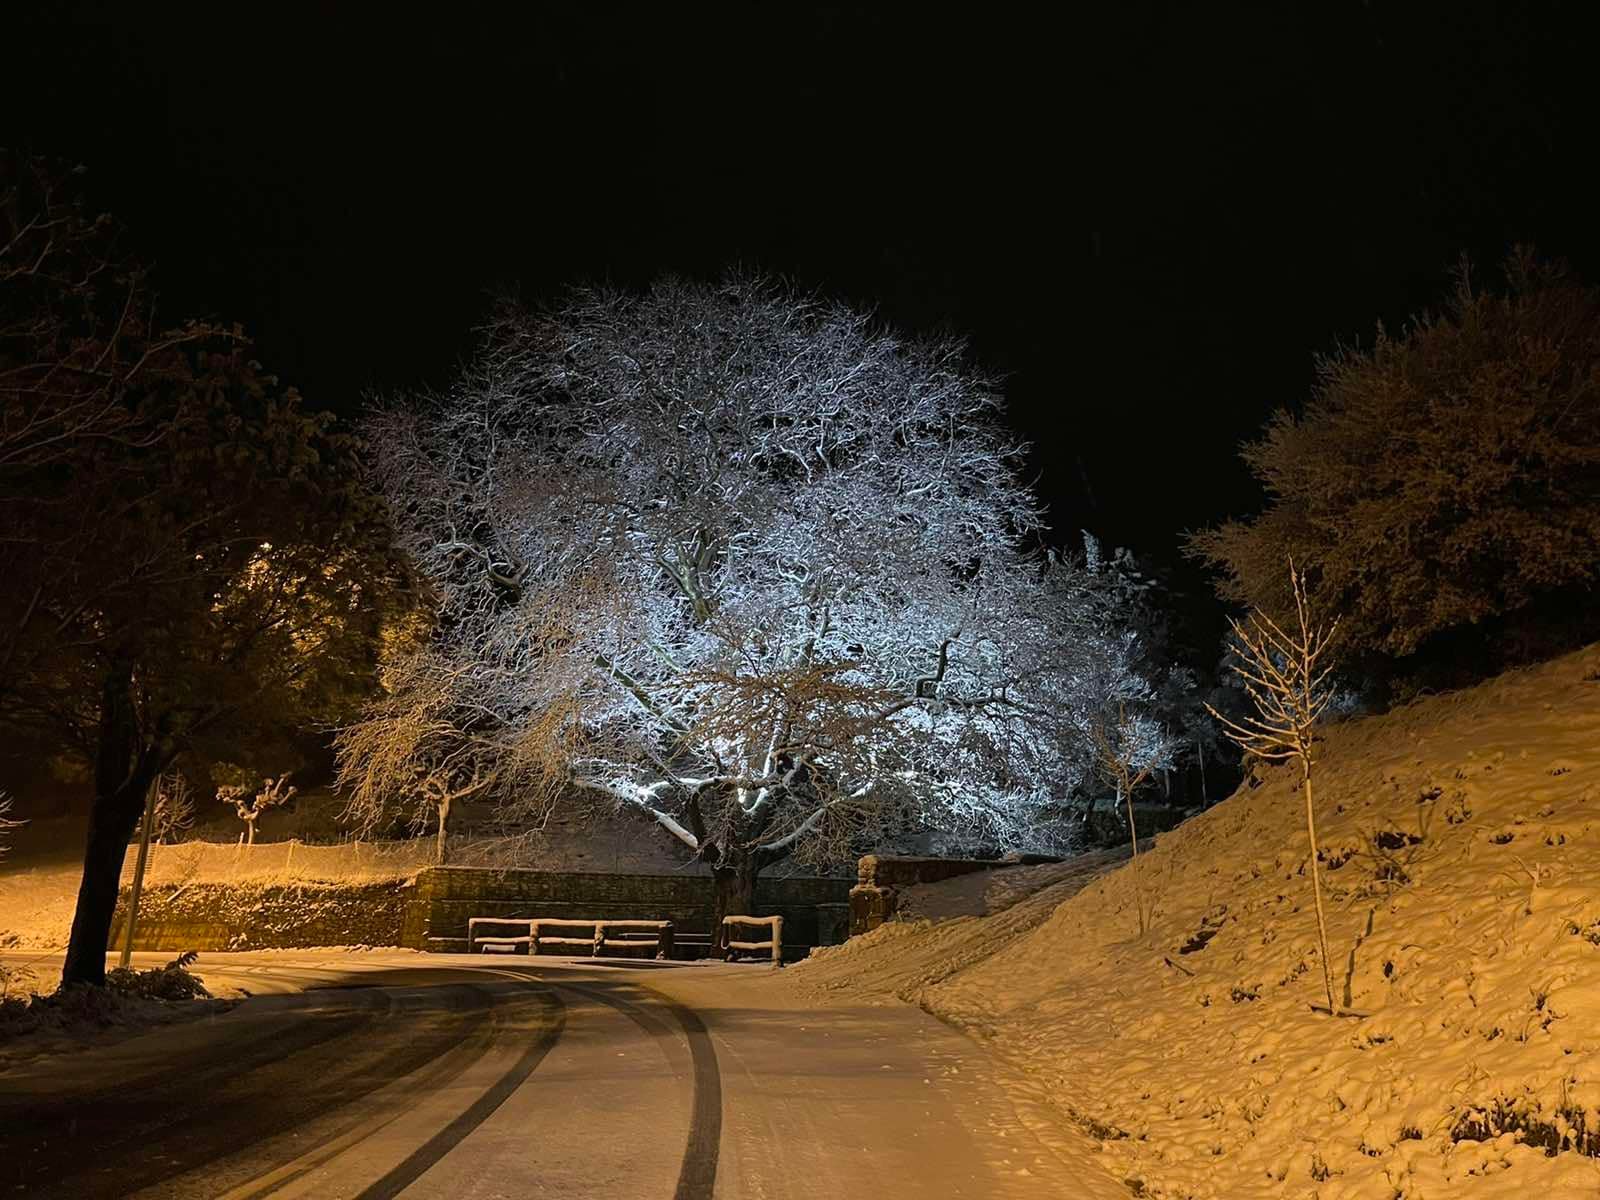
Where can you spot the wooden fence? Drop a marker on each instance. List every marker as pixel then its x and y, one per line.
pixel 774 942
pixel 599 937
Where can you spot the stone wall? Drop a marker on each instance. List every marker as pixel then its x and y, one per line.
pixel 431 913
pixel 247 916
pixel 446 898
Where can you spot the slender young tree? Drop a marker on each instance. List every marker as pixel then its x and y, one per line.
pixel 173 811
pixel 1286 677
pixel 7 825
pixel 1130 749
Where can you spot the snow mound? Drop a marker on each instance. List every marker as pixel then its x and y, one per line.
pixel 984 893
pixel 1460 841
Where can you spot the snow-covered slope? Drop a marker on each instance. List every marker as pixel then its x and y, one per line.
pixel 1461 846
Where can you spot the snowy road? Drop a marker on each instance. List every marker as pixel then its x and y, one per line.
pixel 368 1076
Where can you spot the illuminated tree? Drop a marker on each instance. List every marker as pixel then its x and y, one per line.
pixel 737 559
pixel 1286 676
pixel 418 752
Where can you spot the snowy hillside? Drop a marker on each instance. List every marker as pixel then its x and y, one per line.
pixel 1461 841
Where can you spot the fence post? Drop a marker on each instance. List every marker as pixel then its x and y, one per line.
pixel 138 877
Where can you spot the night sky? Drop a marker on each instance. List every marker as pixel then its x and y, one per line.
pixel 1149 223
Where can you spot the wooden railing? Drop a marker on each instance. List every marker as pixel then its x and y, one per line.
pixel 546 931
pixel 774 943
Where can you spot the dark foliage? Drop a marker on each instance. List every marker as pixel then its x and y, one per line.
pixel 1442 488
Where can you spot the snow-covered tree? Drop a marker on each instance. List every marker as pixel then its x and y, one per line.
pixel 1138 598
pixel 1130 748
pixel 249 802
pixel 736 558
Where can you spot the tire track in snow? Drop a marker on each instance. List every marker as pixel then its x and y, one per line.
pixel 441 1143
pixel 697 1176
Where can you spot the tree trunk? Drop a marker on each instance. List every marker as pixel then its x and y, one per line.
pixel 1316 892
pixel 735 889
pixel 444 820
pixel 123 771
pixel 1138 886
pixel 250 831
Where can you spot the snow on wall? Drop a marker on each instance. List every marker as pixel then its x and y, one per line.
pixel 218 916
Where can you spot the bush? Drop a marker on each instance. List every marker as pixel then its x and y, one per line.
pixel 171 982
pixel 129 998
pixel 1440 480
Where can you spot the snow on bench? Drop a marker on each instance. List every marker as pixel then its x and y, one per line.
pixel 774 943
pixel 601 935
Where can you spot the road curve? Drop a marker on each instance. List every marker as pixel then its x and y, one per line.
pixel 367 1077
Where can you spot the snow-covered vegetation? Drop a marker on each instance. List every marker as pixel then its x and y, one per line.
pixel 741 560
pixel 1459 836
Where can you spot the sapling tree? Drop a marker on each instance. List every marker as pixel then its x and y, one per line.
pixel 251 801
pixel 1130 748
pixel 1286 678
pixel 741 561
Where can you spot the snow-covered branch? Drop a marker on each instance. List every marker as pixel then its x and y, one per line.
pixel 738 558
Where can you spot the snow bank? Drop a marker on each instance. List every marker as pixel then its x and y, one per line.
pixel 1461 837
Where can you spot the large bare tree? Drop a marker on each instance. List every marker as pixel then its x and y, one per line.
pixel 738 559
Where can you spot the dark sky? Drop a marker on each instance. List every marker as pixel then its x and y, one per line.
pixel 1149 222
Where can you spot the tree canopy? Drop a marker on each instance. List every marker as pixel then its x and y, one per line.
pixel 1445 476
pixel 736 558
pixel 191 555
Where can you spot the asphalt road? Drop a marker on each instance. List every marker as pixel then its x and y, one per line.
pixel 376 1076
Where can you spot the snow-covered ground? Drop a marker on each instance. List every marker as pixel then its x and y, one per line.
pixel 1461 855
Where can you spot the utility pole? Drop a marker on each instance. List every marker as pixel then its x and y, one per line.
pixel 138 876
